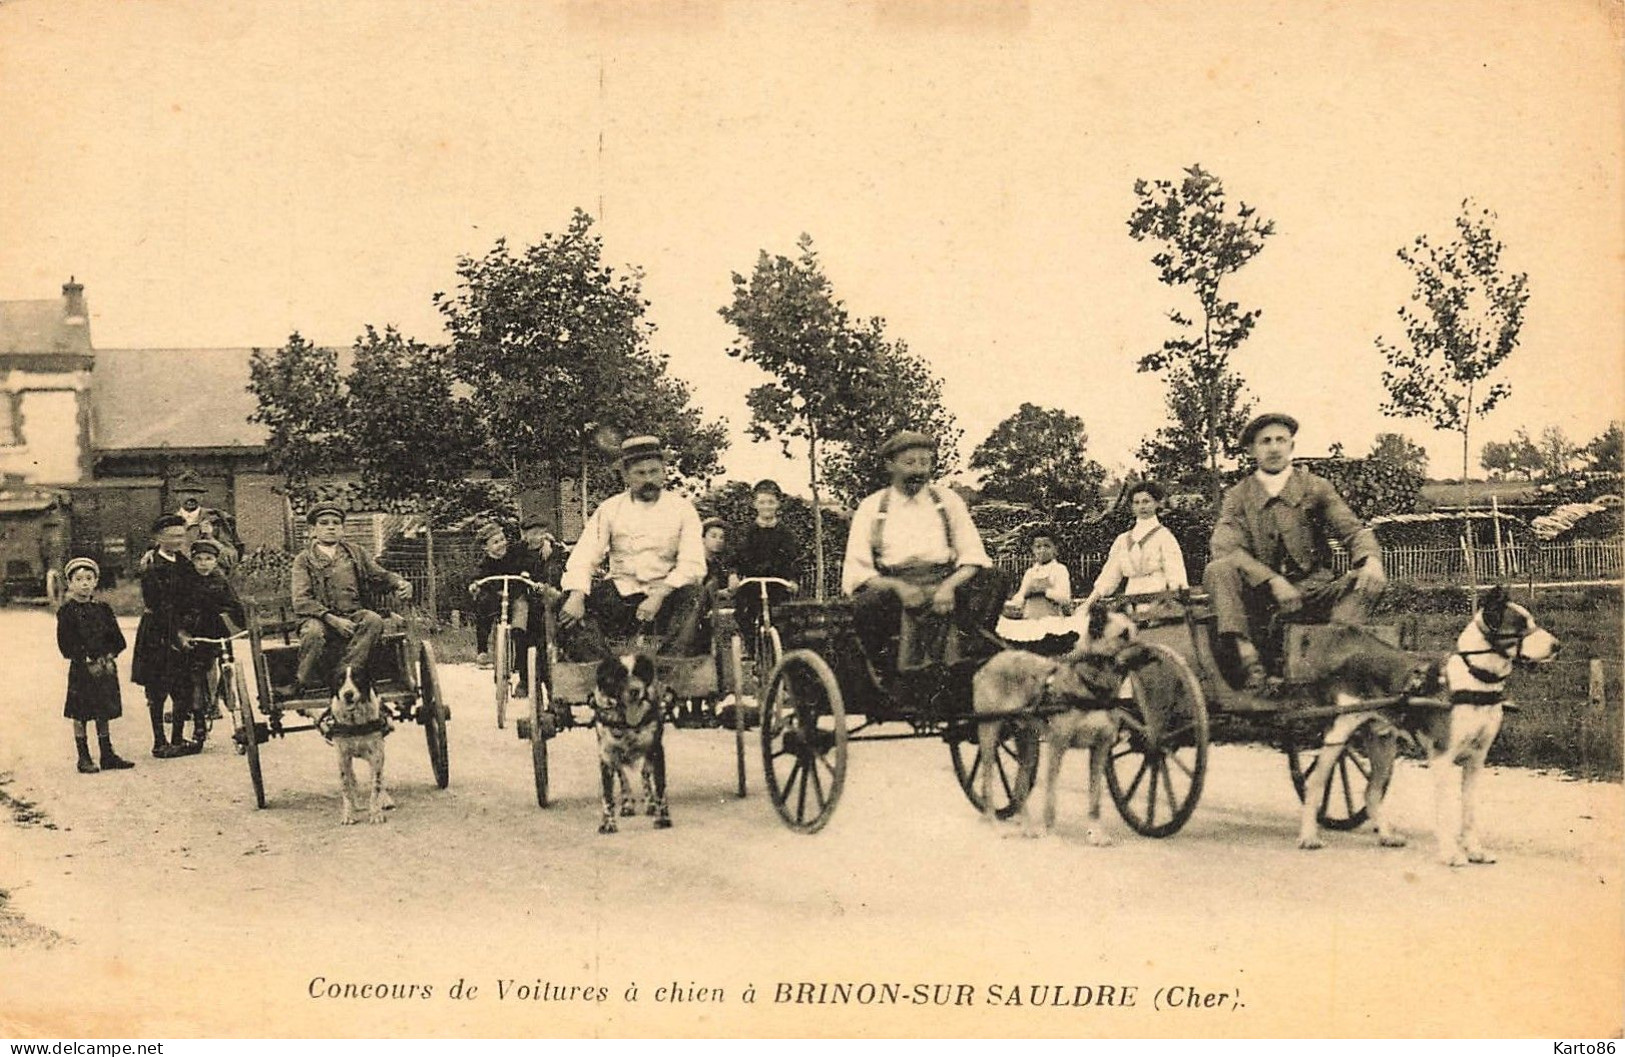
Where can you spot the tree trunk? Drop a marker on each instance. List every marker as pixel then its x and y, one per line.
pixel 818 512
pixel 1467 500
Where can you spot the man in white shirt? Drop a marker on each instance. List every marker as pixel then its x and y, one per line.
pixel 913 546
pixel 651 539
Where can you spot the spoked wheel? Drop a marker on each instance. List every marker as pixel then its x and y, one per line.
pixel 248 731
pixel 541 720
pixel 1157 767
pixel 1344 806
pixel 502 671
pixel 432 714
pixel 804 741
pixel 1014 766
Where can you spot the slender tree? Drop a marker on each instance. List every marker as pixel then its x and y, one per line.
pixel 303 405
pixel 1202 240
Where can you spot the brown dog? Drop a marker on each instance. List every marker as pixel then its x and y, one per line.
pixel 1072 699
pixel 357 730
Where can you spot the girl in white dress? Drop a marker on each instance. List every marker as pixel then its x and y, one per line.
pixel 1147 557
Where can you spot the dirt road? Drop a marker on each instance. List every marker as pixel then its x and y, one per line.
pixel 184 911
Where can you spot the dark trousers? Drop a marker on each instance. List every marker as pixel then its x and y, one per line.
pixel 1245 611
pixel 877 613
pixel 176 687
pixel 612 617
pixel 748 607
pixel 316 640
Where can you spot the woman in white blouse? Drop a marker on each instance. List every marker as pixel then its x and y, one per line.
pixel 1146 556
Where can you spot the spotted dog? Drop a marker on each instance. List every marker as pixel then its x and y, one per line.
pixel 355 724
pixel 1071 698
pixel 1500 636
pixel 627 713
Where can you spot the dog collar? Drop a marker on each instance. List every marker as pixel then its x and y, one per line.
pixel 1477 697
pixel 1483 675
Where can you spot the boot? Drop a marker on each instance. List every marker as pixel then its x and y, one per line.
pixel 86 764
pixel 111 761
pixel 160 747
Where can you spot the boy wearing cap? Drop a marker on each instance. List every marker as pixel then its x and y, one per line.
pixel 913 546
pixel 501 559
pixel 766 548
pixel 88 635
pixel 212 603
pixel 158 663
pixel 539 552
pixel 328 577
pixel 650 539
pixel 1270 550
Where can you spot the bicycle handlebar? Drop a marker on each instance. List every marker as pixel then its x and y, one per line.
pixel 482 581
pixel 217 642
pixel 767 581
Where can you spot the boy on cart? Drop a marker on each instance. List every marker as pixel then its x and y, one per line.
pixel 912 546
pixel 328 578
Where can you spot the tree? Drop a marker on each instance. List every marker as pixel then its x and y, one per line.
pixel 1179 453
pixel 1468 322
pixel 1038 456
pixel 1202 242
pixel 1397 449
pixel 556 349
pixel 1520 455
pixel 839 387
pixel 1606 452
pixel 1557 452
pixel 303 407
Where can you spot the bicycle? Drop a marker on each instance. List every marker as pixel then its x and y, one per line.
pixel 766 649
pixel 502 646
pixel 225 690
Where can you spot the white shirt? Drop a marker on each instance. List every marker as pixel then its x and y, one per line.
pixel 912 535
pixel 1057 591
pixel 646 544
pixel 1148 557
pixel 1273 482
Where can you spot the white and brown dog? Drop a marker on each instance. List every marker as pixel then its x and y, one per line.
pixel 356 726
pixel 1071 699
pixel 630 724
pixel 1457 738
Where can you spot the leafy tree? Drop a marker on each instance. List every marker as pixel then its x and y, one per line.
pixel 1038 456
pixel 1202 242
pixel 304 409
pixel 1399 450
pixel 1468 322
pixel 839 387
pixel 556 349
pixel 1520 455
pixel 1557 452
pixel 1607 450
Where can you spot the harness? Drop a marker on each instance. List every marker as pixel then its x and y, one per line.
pixel 330 728
pixel 614 719
pixel 879 524
pixel 1497 693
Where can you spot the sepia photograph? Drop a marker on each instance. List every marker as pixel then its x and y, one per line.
pixel 590 519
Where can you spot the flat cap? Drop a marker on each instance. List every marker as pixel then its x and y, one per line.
pixel 1270 418
pixel 712 522
pixel 904 441
pixel 644 447
pixel 206 546
pixel 319 509
pixel 168 521
pixel 536 521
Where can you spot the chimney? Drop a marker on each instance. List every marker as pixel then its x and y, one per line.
pixel 73 302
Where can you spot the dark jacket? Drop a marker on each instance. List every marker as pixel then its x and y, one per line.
pixel 767 552
pixel 88 635
pixel 165 589
pixel 321 586
pixel 211 597
pixel 516 562
pixel 1288 534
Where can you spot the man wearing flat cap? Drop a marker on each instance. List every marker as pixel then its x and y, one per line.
pixel 913 546
pixel 1271 550
pixel 328 578
pixel 651 540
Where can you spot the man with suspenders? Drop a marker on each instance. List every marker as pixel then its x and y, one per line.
pixel 913 546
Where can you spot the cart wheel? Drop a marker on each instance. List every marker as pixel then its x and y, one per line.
pixel 432 714
pixel 804 741
pixel 501 671
pixel 1015 763
pixel 251 746
pixel 1157 766
pixel 1344 807
pixel 541 723
pixel 230 706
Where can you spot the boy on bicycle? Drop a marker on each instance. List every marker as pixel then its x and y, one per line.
pixel 766 548
pixel 210 603
pixel 502 560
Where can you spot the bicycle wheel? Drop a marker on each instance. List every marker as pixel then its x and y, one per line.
pixel 500 671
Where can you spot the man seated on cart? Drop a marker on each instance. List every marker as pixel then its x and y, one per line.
pixel 1270 552
pixel 912 546
pixel 651 539
pixel 328 577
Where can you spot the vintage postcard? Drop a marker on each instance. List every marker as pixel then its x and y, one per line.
pixel 537 231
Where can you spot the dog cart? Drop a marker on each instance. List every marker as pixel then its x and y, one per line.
pixel 404 676
pixel 822 698
pixel 559 686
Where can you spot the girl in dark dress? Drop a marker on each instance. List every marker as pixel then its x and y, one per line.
pixel 88 635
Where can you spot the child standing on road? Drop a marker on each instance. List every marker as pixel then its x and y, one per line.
pixel 88 635
pixel 158 663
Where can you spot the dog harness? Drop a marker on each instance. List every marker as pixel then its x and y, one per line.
pixel 614 719
pixel 878 526
pixel 331 729
pixel 1494 692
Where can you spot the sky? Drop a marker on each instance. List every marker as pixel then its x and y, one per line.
pixel 221 174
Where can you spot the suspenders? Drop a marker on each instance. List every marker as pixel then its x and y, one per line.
pixel 879 524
